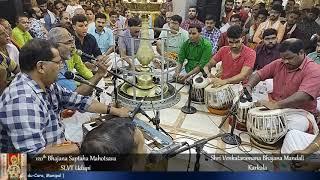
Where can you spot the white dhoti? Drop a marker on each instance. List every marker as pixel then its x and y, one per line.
pixel 299 121
pixel 296 140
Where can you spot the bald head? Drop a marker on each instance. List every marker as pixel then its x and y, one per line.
pixel 79 11
pixel 64 39
pixel 292 53
pixel 168 16
pixel 293 44
pixel 59 34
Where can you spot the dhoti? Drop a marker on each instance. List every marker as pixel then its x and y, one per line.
pixel 296 140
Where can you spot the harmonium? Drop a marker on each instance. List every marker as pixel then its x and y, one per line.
pixel 154 140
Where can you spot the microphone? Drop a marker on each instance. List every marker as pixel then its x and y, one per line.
pixel 204 74
pixel 81 53
pixel 137 109
pixel 246 96
pixel 169 149
pixel 158 155
pixel 71 75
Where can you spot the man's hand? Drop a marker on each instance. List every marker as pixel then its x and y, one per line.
pixel 121 112
pixel 305 165
pixel 268 104
pixel 103 68
pixel 217 82
pixel 90 66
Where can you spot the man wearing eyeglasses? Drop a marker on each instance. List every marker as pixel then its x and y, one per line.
pixel 66 45
pixel 29 112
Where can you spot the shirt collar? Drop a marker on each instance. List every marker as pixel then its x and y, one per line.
pixel 210 32
pixel 196 44
pixel 302 65
pixel 96 31
pixel 268 50
pixel 33 84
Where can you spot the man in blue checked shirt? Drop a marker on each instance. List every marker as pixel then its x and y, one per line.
pixel 29 112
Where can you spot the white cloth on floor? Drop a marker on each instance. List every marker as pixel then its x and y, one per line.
pixel 262 89
pixel 296 140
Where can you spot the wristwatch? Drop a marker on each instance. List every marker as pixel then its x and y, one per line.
pixel 109 108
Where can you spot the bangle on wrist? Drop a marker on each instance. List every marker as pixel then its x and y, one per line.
pixel 109 108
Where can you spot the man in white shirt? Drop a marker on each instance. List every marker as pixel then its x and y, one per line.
pixel 175 37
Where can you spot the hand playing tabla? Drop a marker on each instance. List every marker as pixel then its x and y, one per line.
pixel 268 104
pixel 217 82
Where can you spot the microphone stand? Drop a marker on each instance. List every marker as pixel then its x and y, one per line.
pixel 155 121
pixel 199 146
pixel 231 138
pixel 189 109
pixel 115 91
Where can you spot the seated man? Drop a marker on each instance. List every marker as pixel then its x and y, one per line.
pixel 117 137
pixel 30 121
pixel 72 61
pixel 196 50
pixel 268 51
pixel 272 22
pixel 235 19
pixel 315 56
pixel 125 44
pixel 20 34
pixel 295 85
pixel 85 42
pixel 237 60
pixel 173 41
pixel 211 32
pixel 3 79
pixel 5 61
pixel 8 28
pixel 103 34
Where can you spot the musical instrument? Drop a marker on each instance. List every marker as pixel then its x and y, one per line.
pixel 242 114
pixel 218 98
pixel 197 92
pixel 154 139
pixel 267 127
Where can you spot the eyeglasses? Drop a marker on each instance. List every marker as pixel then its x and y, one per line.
pixel 71 41
pixel 59 63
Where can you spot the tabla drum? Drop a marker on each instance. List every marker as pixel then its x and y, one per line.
pixel 267 127
pixel 218 98
pixel 197 92
pixel 242 114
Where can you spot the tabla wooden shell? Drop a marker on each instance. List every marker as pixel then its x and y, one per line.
pixel 197 93
pixel 219 97
pixel 243 109
pixel 268 126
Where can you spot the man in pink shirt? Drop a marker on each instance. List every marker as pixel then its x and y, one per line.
pixel 295 85
pixel 237 60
